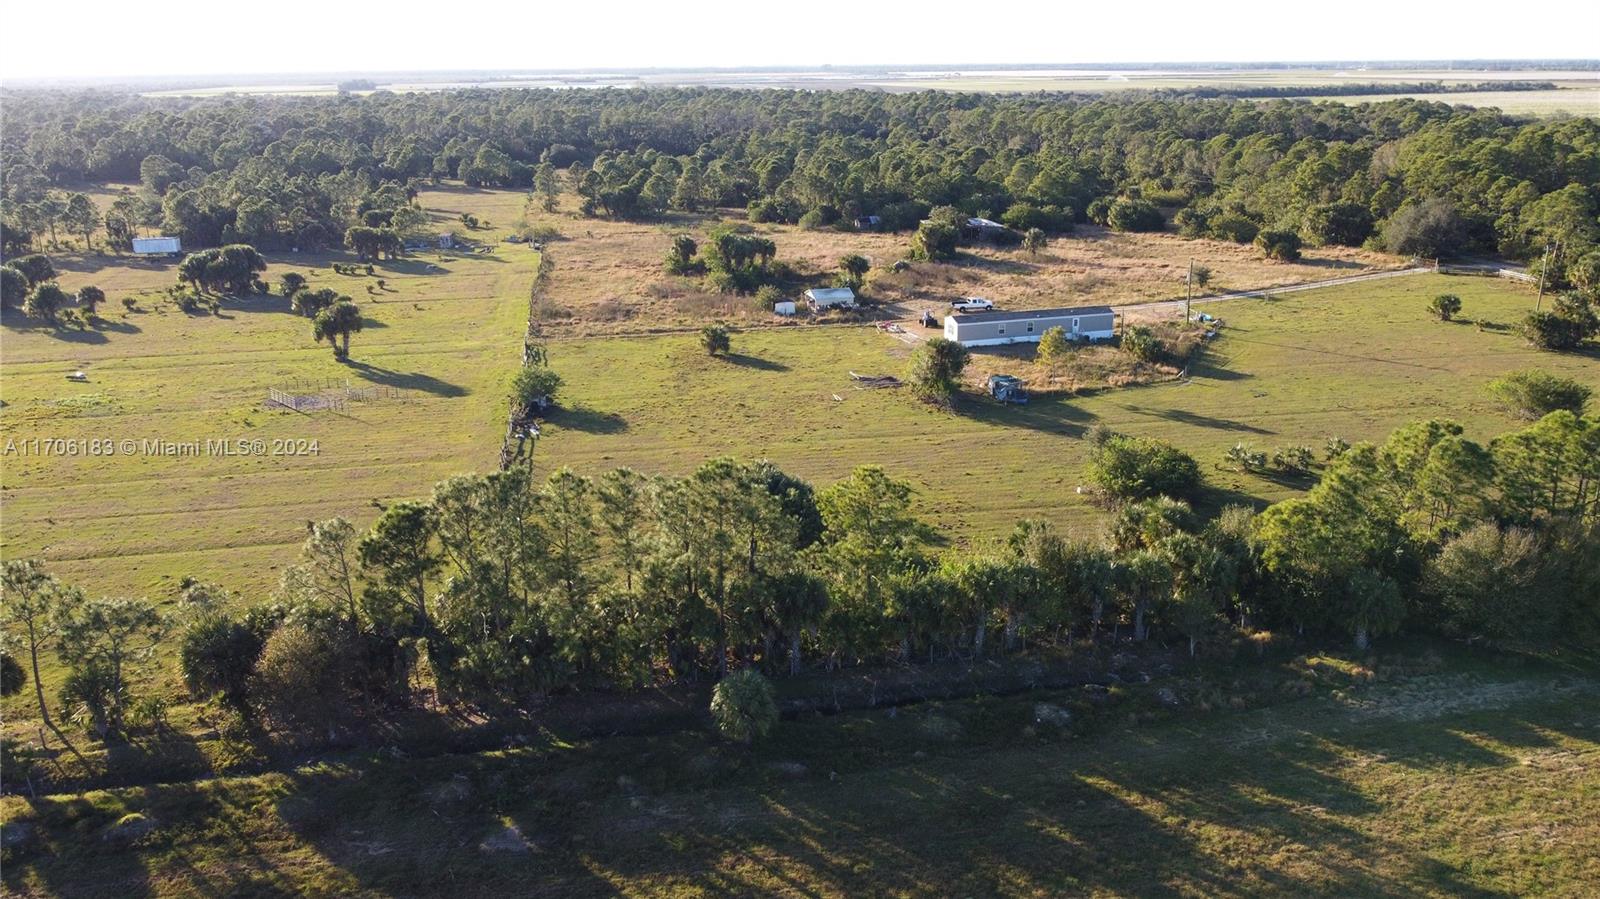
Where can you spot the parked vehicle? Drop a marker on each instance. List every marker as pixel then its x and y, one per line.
pixel 971 304
pixel 1007 389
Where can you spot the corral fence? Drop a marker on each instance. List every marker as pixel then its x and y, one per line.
pixel 328 395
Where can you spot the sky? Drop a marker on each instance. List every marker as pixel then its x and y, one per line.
pixel 99 39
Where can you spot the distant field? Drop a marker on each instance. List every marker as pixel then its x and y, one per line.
pixel 1579 92
pixel 1353 361
pixel 1400 775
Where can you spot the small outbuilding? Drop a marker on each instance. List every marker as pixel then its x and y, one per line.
pixel 831 298
pixel 985 229
pixel 994 328
pixel 784 307
pixel 868 223
pixel 157 246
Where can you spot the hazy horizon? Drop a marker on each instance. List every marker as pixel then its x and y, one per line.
pixel 301 39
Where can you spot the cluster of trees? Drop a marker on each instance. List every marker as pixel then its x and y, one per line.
pixel 234 269
pixel 733 259
pixel 509 588
pixel 28 283
pixel 1420 177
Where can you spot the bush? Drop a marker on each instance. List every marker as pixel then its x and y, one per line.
pixel 744 706
pixel 1535 394
pixel 12 676
pixel 1140 342
pixel 768 296
pixel 1134 215
pixel 1053 345
pixel 1551 331
pixel 1430 229
pixel 1283 246
pixel 1132 468
pixel 1340 224
pixel 934 241
pixel 1236 228
pixel 1445 305
pixel 302 683
pixel 714 338
pixel 217 656
pixel 534 385
pixel 936 368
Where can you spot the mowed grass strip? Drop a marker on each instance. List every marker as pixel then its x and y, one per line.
pixel 1354 361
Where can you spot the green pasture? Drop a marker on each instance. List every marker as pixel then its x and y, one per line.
pixel 1354 361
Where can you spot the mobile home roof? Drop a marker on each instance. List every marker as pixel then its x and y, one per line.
pixel 1030 314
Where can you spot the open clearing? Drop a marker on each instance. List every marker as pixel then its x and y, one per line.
pixel 1408 775
pixel 1354 361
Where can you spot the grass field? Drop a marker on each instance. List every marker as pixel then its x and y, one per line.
pixel 136 522
pixel 1409 774
pixel 1354 361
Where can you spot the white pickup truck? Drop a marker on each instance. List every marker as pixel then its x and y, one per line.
pixel 971 304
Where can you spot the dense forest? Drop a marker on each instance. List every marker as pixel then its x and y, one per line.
pixel 1415 177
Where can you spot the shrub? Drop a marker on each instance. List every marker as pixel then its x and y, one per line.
pixel 1445 305
pixel 1283 246
pixel 302 683
pixel 1132 468
pixel 1236 228
pixel 12 675
pixel 1431 229
pixel 934 241
pixel 714 338
pixel 1550 331
pixel 534 385
pixel 1053 345
pixel 1246 458
pixel 936 368
pixel 1535 394
pixel 768 296
pixel 217 656
pixel 744 706
pixel 1140 342
pixel 1134 215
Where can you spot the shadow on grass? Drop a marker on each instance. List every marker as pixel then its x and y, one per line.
pixel 755 362
pixel 1054 415
pixel 1195 419
pixel 587 420
pixel 405 380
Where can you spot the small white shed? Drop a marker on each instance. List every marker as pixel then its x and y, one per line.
pixel 831 298
pixel 784 307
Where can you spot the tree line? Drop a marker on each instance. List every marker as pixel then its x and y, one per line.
pixel 501 588
pixel 1416 177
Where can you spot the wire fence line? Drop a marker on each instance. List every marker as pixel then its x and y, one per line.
pixel 327 395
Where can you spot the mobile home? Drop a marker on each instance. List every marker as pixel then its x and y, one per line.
pixel 994 328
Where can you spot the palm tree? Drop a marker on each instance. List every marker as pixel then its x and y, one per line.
pixel 335 324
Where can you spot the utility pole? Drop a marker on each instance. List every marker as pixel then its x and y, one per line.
pixel 1188 299
pixel 1543 269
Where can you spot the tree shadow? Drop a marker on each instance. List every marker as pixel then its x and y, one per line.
pixel 405 380
pixel 1046 414
pixel 754 362
pixel 1342 264
pixel 1195 419
pixel 587 420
